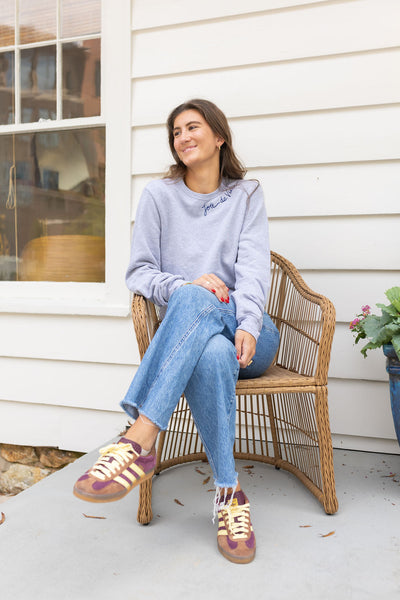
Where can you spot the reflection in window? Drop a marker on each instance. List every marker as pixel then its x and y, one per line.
pixel 37 20
pixel 52 224
pixel 7 88
pixel 38 83
pixel 81 79
pixel 80 17
pixel 7 20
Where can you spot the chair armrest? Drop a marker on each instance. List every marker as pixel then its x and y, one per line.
pixel 145 322
pixel 305 319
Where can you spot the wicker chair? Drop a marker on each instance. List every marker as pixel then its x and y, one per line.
pixel 282 417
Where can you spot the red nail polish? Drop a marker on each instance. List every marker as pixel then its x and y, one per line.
pixel 237 356
pixel 213 291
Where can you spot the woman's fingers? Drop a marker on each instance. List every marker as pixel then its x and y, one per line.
pixel 215 285
pixel 245 345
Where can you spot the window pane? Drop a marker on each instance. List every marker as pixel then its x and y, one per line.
pixel 37 20
pixel 38 84
pixel 7 20
pixel 57 209
pixel 7 88
pixel 80 17
pixel 81 79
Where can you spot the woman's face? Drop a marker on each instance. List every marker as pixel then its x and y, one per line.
pixel 195 142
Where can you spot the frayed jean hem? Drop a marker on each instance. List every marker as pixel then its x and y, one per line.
pixel 134 411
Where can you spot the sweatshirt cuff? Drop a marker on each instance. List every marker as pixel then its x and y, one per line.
pixel 251 325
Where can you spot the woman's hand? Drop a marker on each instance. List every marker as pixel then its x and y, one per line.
pixel 245 345
pixel 215 285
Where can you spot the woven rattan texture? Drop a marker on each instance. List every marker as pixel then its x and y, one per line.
pixel 282 417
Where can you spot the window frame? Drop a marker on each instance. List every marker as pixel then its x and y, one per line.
pixel 111 297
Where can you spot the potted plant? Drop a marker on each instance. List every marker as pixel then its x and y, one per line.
pixel 384 331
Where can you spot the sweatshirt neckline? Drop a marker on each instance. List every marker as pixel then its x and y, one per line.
pixel 204 197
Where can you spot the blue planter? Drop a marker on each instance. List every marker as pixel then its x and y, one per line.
pixel 393 368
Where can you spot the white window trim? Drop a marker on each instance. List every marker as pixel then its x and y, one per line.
pixel 112 297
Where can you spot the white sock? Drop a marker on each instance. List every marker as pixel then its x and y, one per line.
pixel 144 452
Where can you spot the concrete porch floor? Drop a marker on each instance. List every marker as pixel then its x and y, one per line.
pixel 49 549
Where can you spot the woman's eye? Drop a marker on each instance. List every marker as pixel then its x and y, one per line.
pixel 176 133
pixel 192 127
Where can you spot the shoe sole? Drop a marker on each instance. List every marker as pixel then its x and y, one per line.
pixel 111 497
pixel 237 559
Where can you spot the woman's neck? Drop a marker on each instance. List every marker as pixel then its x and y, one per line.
pixel 202 182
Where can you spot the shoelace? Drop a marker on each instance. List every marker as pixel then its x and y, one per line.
pixel 105 467
pixel 238 520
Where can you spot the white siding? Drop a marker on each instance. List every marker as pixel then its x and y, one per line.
pixel 313 97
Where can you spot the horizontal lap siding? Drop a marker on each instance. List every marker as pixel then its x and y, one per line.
pixel 313 97
pixel 313 30
pixel 159 13
pixel 79 429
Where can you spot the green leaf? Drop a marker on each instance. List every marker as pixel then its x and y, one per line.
pixel 385 335
pixel 372 326
pixel 369 346
pixel 390 310
pixel 393 295
pixel 396 344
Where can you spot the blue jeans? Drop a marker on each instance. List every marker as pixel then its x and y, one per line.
pixel 193 352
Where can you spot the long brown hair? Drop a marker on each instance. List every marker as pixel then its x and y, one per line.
pixel 229 164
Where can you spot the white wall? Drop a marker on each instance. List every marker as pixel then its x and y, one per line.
pixel 313 97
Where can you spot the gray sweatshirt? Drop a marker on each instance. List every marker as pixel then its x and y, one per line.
pixel 180 235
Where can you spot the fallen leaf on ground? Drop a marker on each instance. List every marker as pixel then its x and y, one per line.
pixel 3 518
pixel 198 471
pixel 305 525
pixel 207 479
pixel 248 467
pixel 178 502
pixel 391 475
pixel 328 534
pixel 92 517
pixel 211 490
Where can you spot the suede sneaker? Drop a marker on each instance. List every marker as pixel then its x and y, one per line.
pixel 236 540
pixel 119 469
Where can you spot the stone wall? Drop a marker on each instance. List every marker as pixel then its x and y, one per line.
pixel 22 466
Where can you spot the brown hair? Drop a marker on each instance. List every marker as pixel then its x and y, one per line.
pixel 229 164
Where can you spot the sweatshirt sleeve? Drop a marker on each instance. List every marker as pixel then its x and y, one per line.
pixel 144 275
pixel 252 269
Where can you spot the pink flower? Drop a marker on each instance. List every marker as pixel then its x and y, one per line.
pixel 366 309
pixel 354 323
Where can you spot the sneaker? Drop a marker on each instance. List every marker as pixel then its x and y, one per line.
pixel 119 469
pixel 236 540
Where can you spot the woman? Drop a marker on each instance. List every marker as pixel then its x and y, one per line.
pixel 200 252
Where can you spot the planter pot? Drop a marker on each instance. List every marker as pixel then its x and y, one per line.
pixel 393 368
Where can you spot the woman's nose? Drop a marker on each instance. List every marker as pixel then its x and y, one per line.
pixel 185 135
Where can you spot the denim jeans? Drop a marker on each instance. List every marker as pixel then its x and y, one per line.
pixel 193 352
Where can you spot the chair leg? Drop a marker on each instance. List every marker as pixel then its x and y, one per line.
pixel 272 423
pixel 330 501
pixel 145 513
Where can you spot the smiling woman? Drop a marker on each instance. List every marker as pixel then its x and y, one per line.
pixel 200 252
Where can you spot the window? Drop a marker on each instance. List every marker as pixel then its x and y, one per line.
pixel 52 145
